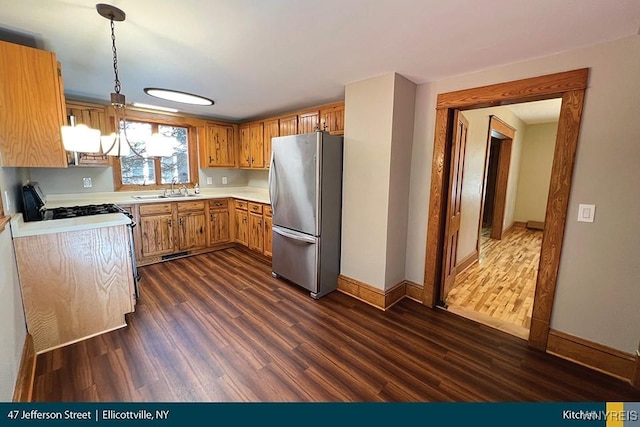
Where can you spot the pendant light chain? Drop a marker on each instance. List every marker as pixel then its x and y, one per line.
pixel 115 57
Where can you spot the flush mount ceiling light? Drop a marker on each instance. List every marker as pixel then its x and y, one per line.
pixel 177 96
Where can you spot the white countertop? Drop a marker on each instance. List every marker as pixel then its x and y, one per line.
pixel 253 194
pixel 19 228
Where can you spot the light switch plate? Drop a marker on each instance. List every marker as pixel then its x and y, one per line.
pixel 225 181
pixel 586 213
pixel 209 180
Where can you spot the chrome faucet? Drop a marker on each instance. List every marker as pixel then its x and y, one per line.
pixel 173 182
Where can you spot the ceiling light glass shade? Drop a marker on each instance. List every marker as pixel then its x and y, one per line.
pixel 81 139
pixel 160 146
pixel 154 107
pixel 112 145
pixel 177 96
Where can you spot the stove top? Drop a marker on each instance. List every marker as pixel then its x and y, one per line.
pixel 77 211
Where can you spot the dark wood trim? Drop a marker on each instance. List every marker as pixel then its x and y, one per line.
pixel 498 228
pixel 467 262
pixel 570 85
pixel 519 224
pixel 23 390
pixel 556 213
pixel 531 89
pixel 635 380
pixel 535 225
pixel 382 299
pixel 593 355
pixel 502 127
pixel 437 207
pixel 414 291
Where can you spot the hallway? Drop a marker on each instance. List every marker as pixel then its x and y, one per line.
pixel 498 290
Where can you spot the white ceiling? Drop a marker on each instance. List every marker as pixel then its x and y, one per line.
pixel 256 58
pixel 537 112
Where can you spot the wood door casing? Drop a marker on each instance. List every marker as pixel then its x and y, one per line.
pixel 569 85
pixel 454 212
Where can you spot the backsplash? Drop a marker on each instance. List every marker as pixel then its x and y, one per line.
pixel 258 179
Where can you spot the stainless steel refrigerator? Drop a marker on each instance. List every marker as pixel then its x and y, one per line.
pixel 305 188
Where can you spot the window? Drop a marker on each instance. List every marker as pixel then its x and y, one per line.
pixel 152 172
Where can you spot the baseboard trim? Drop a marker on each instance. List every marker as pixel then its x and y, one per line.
pixel 381 299
pixel 596 356
pixel 535 225
pixel 23 390
pixel 414 291
pixel 520 224
pixel 467 262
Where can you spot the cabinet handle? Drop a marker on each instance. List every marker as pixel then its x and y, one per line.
pixel 211 217
pixel 169 222
pixel 210 159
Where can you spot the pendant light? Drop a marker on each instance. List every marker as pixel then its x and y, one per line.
pixel 118 144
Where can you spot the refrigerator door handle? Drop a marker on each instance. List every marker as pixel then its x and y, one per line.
pixel 273 188
pixel 294 236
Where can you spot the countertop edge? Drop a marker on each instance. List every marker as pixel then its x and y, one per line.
pixel 19 228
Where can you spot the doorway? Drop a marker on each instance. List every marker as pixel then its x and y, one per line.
pixel 571 87
pixel 510 155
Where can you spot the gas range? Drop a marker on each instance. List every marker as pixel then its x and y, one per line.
pixel 76 211
pixel 34 207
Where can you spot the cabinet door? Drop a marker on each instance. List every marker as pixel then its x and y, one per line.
pixel 192 231
pixel 256 136
pixel 94 116
pixel 289 125
pixel 157 235
pixel 256 232
pixel 219 226
pixel 332 119
pixel 271 130
pixel 245 146
pixel 242 227
pixel 308 122
pixel 31 108
pixel 220 146
pixel 268 234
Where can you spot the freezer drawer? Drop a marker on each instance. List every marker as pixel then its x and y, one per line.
pixel 295 257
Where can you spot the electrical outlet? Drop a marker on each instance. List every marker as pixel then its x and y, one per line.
pixel 225 181
pixel 86 182
pixel 209 180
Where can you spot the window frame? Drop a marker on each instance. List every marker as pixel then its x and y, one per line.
pixel 156 119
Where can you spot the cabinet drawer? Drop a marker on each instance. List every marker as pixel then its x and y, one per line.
pixel 267 210
pixel 190 206
pixel 155 208
pixel 240 204
pixel 255 207
pixel 218 204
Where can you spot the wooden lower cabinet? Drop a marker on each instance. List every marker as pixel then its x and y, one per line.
pixel 268 235
pixel 242 227
pixel 256 232
pixel 219 224
pixel 192 225
pixel 156 229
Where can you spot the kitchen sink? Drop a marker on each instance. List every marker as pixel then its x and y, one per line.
pixel 163 196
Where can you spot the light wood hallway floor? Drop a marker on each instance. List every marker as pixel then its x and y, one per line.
pixel 499 289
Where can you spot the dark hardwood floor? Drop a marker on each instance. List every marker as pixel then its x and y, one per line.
pixel 218 327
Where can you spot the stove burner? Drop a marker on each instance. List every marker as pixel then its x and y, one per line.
pixel 76 211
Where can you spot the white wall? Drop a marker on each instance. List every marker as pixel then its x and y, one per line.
pixel 12 322
pixel 597 291
pixel 473 174
pixel 535 171
pixel 367 159
pixel 399 179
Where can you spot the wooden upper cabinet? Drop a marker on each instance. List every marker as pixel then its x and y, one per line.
pixel 289 125
pixel 271 130
pixel 245 146
pixel 308 121
pixel 332 119
pixel 218 146
pixel 95 116
pixel 32 108
pixel 252 146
